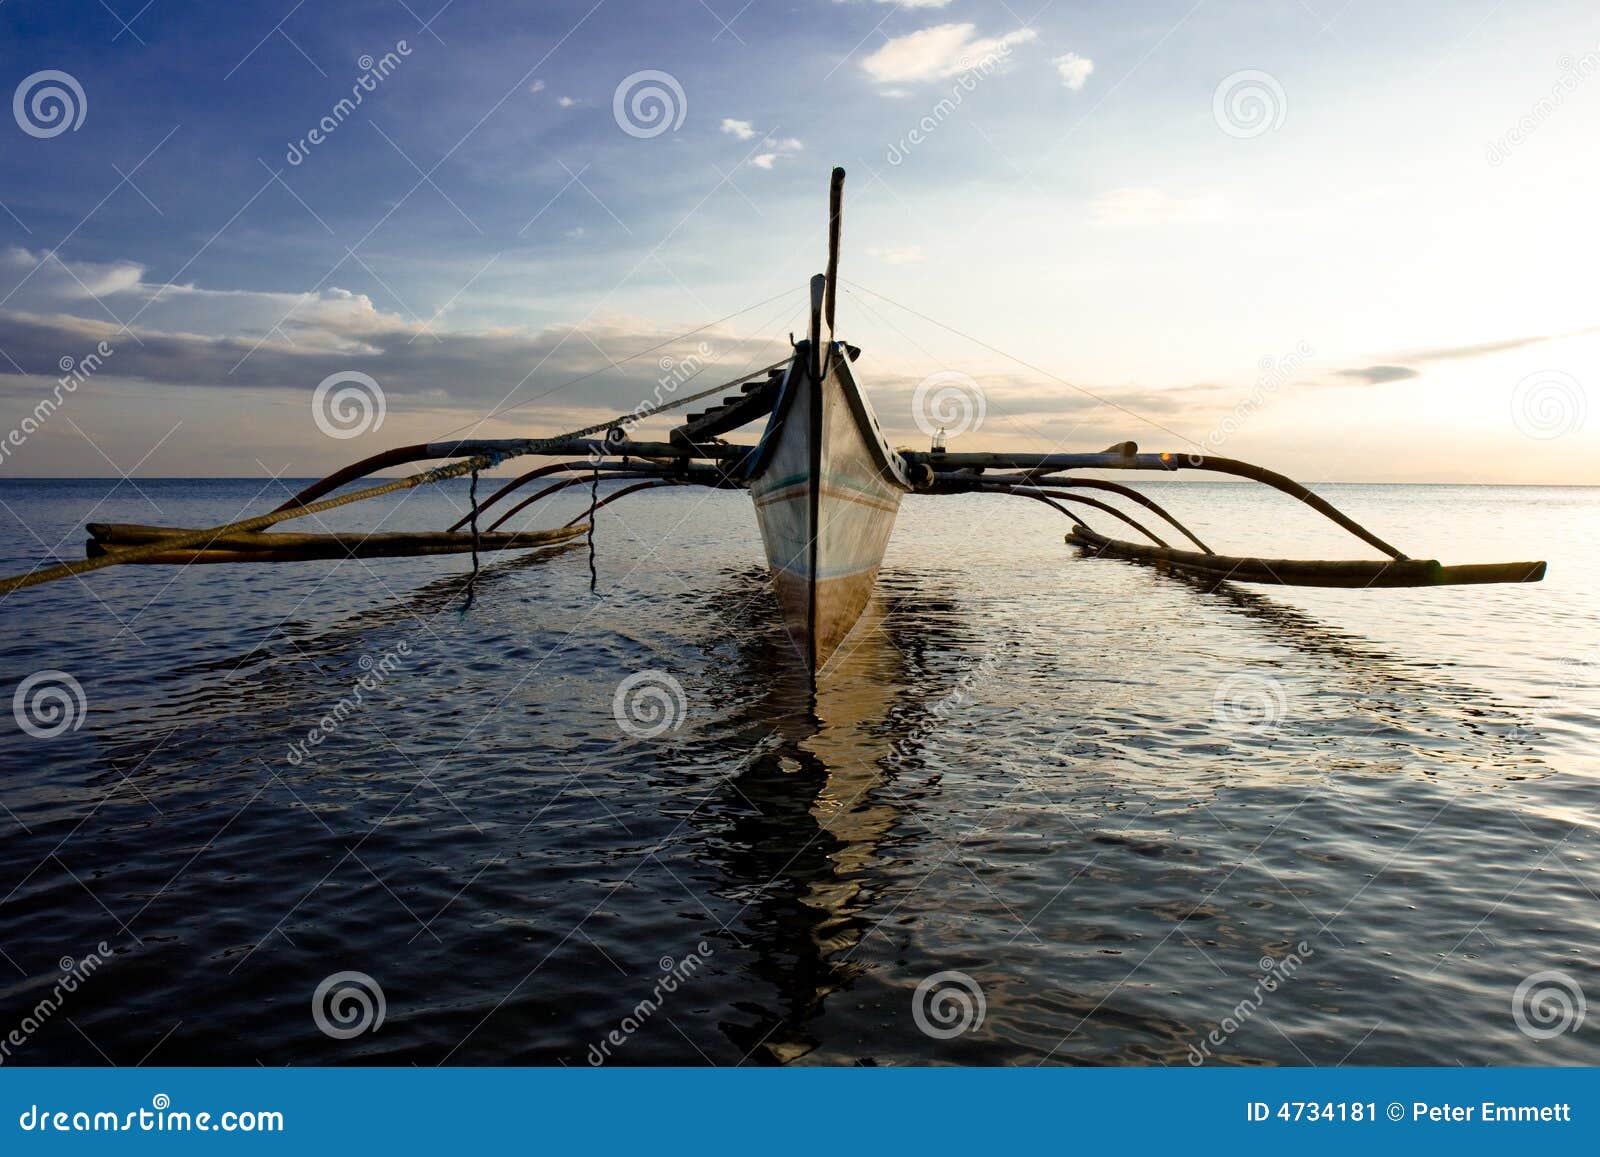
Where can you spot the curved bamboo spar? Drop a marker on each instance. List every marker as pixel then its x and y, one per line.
pixel 948 466
pixel 523 479
pixel 399 456
pixel 576 480
pixel 1130 493
pixel 519 480
pixel 1078 498
pixel 626 490
pixel 1289 486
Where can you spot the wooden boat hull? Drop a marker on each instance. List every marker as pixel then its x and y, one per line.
pixel 826 488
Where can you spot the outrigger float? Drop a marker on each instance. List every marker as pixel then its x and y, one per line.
pixel 826 486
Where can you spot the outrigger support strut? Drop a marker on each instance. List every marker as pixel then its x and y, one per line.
pixel 946 467
pixel 1056 497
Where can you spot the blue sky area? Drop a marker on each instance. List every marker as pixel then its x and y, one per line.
pixel 1352 239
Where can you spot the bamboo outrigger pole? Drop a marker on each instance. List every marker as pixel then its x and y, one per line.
pixel 1403 572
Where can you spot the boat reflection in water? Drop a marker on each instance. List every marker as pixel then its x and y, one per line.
pixel 803 830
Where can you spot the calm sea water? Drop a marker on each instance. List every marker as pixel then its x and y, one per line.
pixel 1097 814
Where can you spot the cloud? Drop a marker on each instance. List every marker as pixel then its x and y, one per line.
pixel 1482 349
pixel 941 51
pixel 1377 375
pixel 566 102
pixel 902 255
pixel 1135 208
pixel 467 369
pixel 779 148
pixel 744 130
pixel 536 86
pixel 82 280
pixel 1393 371
pixel 1074 69
pixel 328 319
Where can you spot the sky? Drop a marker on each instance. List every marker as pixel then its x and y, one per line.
pixel 1347 239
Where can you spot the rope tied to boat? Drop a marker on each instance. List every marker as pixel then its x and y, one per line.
pixel 594 500
pixel 472 578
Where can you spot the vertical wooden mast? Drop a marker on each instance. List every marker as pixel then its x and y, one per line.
pixel 835 205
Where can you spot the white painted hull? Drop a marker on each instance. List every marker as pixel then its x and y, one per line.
pixel 826 496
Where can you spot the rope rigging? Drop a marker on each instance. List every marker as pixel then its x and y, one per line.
pixel 472 579
pixel 1104 401
pixel 594 502
pixel 496 411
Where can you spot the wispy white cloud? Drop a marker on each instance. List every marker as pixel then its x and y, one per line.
pixel 896 255
pixel 1074 69
pixel 941 51
pixel 566 102
pixel 536 86
pixel 1135 208
pixel 744 130
pixel 778 148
